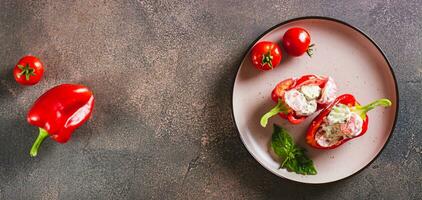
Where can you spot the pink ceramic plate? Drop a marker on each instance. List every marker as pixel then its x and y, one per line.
pixel 357 65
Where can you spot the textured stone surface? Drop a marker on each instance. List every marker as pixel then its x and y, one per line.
pixel 162 73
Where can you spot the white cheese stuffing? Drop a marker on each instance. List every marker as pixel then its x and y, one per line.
pixel 339 114
pixel 311 91
pixel 340 123
pixel 298 102
pixel 354 125
pixel 328 93
pixel 325 139
pixel 305 99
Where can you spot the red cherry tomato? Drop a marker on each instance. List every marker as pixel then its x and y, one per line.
pixel 266 55
pixel 296 41
pixel 28 71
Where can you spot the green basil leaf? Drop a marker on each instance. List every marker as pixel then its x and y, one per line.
pixel 294 157
pixel 281 142
pixel 304 164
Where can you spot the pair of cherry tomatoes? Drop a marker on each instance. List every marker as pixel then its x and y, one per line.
pixel 28 71
pixel 267 55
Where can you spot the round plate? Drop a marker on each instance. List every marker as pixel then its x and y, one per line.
pixel 357 65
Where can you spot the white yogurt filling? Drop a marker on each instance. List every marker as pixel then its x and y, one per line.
pixel 311 91
pixel 339 114
pixel 304 100
pixel 340 123
pixel 328 93
pixel 299 103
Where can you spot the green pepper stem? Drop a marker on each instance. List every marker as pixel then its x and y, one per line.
pixel 41 136
pixel 280 107
pixel 362 110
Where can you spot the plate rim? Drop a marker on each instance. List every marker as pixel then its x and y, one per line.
pixel 350 26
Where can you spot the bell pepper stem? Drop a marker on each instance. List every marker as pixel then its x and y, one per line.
pixel 280 107
pixel 41 136
pixel 362 110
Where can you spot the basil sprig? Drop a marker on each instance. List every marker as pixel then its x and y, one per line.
pixel 294 157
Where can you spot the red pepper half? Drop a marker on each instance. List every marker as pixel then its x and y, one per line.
pixel 277 96
pixel 350 101
pixel 59 111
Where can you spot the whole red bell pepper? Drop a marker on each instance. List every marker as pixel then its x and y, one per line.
pixel 282 108
pixel 350 101
pixel 59 111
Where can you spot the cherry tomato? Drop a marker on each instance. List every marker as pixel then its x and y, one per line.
pixel 28 71
pixel 266 55
pixel 296 41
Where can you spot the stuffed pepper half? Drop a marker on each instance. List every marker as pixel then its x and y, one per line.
pixel 342 120
pixel 297 98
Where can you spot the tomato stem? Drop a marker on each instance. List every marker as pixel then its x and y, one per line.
pixel 267 58
pixel 27 71
pixel 310 51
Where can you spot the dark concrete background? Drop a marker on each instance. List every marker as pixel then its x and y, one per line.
pixel 162 73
